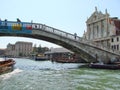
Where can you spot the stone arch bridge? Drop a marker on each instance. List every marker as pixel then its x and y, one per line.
pixel 87 50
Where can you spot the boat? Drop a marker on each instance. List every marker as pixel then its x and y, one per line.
pixel 104 66
pixel 40 59
pixel 6 66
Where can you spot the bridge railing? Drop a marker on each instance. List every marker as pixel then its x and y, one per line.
pixel 11 23
pixel 60 32
pixel 36 26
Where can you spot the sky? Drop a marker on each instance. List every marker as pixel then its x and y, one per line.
pixel 66 15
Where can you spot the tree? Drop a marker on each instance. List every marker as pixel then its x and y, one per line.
pixel 34 49
pixel 20 54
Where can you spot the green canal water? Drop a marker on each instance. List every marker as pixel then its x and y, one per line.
pixel 45 75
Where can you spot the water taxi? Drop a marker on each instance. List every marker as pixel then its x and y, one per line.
pixel 6 66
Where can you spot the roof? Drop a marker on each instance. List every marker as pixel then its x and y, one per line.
pixel 58 50
pixel 2 49
pixel 23 42
pixel 97 15
pixel 117 24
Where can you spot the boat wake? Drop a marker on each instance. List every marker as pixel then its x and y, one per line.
pixel 8 75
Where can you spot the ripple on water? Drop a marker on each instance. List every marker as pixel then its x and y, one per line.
pixel 33 75
pixel 10 74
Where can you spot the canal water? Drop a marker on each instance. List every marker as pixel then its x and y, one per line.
pixel 45 75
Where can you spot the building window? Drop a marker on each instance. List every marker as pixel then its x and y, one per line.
pixel 95 17
pixel 97 27
pixel 102 25
pixel 117 39
pixel 112 47
pixel 112 40
pixel 117 47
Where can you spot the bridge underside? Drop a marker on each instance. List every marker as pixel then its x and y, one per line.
pixel 85 56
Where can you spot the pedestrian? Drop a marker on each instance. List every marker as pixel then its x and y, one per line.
pixel 75 35
pixel 18 20
pixel 5 22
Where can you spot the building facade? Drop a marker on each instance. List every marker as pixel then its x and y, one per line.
pixel 10 51
pixel 101 28
pixel 2 52
pixel 115 43
pixel 19 49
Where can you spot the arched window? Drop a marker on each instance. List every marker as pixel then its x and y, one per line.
pixel 112 40
pixel 117 39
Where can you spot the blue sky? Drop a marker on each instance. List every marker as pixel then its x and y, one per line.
pixel 67 15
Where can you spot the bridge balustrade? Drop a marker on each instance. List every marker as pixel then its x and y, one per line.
pixel 47 28
pixel 12 24
pixel 36 26
pixel 59 32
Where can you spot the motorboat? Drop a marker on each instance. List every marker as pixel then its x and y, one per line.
pixel 6 66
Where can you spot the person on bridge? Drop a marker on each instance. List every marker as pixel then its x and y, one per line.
pixel 18 20
pixel 75 35
pixel 5 22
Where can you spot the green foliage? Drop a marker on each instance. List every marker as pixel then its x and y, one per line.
pixel 40 49
pixel 20 54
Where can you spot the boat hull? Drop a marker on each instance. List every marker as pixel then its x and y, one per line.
pixel 41 58
pixel 105 66
pixel 6 66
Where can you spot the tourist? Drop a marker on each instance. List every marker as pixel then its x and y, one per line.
pixel 5 22
pixel 75 35
pixel 18 20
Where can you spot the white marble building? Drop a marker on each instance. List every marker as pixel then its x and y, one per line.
pixel 101 28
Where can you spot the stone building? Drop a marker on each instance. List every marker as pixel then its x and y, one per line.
pixel 10 51
pixel 101 28
pixel 23 48
pixel 2 52
pixel 19 49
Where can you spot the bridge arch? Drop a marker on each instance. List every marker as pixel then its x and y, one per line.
pixel 53 35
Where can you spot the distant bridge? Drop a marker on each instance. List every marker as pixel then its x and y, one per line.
pixel 87 50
